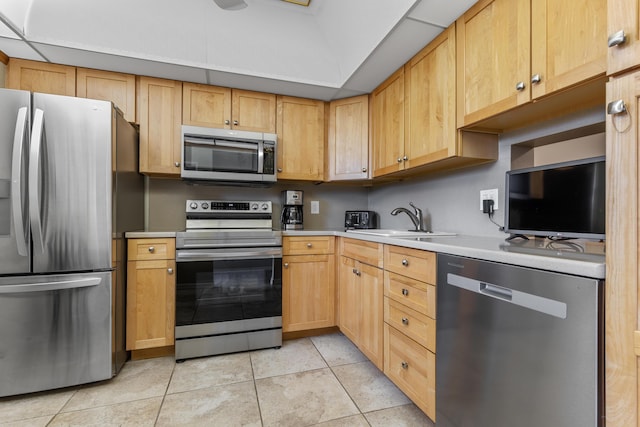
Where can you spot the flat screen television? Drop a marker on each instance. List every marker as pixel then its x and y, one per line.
pixel 562 200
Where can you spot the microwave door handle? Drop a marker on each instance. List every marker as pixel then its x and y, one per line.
pixel 34 181
pixel 220 143
pixel 260 157
pixel 16 181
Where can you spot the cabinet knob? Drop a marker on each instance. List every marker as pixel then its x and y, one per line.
pixel 286 265
pixel 279 169
pixel 364 169
pixel 309 245
pixel 405 321
pixel 405 292
pixel 520 86
pixel 399 159
pixel 535 79
pixel 235 123
pixel 404 365
pixel 226 122
pixel 405 262
pixel 616 39
pixel 177 164
pixel 405 158
pixel 616 107
pixel 356 272
pixel 170 270
pixel 152 249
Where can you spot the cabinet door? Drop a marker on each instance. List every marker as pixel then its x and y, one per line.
pixel 493 57
pixel 150 304
pixel 348 148
pixel 623 15
pixel 205 105
pixel 253 111
pixel 115 87
pixel 372 298
pixel 350 302
pixel 308 292
pixel 41 77
pixel 621 290
pixel 567 43
pixel 387 125
pixel 160 118
pixel 300 126
pixel 430 102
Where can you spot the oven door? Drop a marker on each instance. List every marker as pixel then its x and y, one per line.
pixel 221 291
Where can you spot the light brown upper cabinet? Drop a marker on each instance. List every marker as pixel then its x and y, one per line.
pixel 623 30
pixel 225 108
pixel 512 51
pixel 160 118
pixel 422 129
pixel 41 77
pixel 348 139
pixel 301 128
pixel 387 125
pixel 115 87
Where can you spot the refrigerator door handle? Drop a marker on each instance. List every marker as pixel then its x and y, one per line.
pixel 34 181
pixel 50 286
pixel 16 181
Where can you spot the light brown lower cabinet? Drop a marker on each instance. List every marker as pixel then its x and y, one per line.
pixel 151 293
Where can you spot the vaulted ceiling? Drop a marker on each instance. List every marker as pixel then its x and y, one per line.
pixel 328 50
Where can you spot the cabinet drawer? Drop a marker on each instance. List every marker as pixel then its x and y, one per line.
pixel 308 245
pixel 414 263
pixel 149 249
pixel 366 252
pixel 414 294
pixel 419 327
pixel 412 368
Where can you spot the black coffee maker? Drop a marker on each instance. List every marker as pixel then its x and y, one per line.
pixel 291 218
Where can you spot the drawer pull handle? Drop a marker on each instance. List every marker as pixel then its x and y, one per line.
pixel 404 365
pixel 405 292
pixel 152 249
pixel 405 262
pixel 170 270
pixel 405 321
pixel 309 245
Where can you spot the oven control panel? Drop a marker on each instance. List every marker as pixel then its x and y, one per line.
pixel 250 206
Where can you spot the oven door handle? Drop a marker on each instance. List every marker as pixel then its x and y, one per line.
pixel 227 254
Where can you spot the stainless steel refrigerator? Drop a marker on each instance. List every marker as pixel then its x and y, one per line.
pixel 69 190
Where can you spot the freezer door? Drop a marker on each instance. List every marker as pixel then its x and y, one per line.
pixel 56 331
pixel 14 146
pixel 70 183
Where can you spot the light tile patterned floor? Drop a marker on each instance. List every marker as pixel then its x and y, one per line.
pixel 319 381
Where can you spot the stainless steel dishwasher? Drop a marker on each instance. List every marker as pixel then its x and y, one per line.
pixel 516 346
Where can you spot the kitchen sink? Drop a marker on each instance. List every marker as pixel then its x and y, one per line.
pixel 401 233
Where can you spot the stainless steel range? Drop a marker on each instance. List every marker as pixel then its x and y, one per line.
pixel 229 279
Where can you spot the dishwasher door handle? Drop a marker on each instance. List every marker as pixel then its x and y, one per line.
pixel 511 296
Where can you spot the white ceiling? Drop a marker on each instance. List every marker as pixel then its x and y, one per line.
pixel 329 50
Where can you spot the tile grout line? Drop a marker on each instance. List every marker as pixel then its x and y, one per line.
pixel 173 370
pixel 255 387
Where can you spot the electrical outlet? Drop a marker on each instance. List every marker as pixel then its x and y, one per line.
pixel 489 194
pixel 315 207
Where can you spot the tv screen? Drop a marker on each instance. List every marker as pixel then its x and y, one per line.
pixel 558 200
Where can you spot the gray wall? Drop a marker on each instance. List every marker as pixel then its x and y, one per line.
pixel 451 201
pixel 166 201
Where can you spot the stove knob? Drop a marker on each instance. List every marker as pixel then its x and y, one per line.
pixel 264 206
pixel 193 206
pixel 204 205
pixel 254 206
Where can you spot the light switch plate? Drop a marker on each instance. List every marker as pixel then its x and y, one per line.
pixel 315 207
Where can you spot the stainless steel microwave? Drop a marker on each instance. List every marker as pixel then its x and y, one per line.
pixel 228 156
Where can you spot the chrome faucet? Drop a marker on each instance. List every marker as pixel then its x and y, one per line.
pixel 416 217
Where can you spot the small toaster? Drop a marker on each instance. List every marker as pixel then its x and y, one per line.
pixel 360 219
